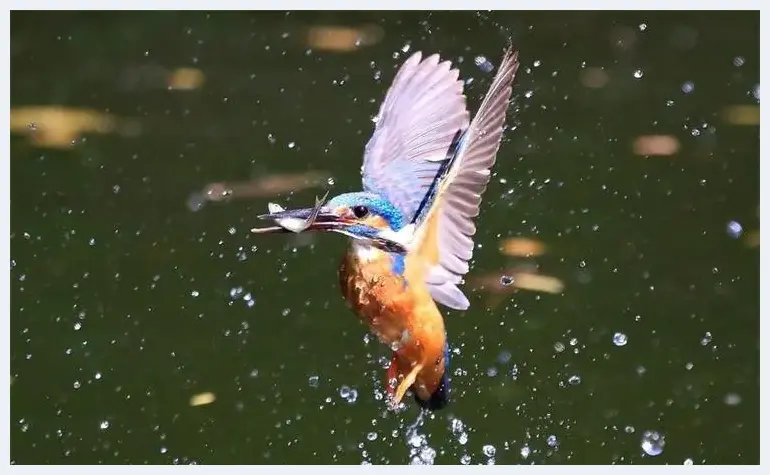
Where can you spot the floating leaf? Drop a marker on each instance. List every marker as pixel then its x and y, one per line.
pixel 742 115
pixel 265 186
pixel 340 38
pixel 202 399
pixel 661 145
pixel 538 283
pixel 59 127
pixel 522 247
pixel 185 79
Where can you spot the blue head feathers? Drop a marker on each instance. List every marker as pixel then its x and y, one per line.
pixel 370 203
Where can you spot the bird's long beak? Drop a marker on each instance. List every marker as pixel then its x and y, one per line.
pixel 299 220
pixel 321 218
pixel 317 218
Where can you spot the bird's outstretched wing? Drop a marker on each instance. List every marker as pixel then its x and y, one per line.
pixel 421 113
pixel 443 240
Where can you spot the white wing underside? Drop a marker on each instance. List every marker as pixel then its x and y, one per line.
pixel 459 195
pixel 421 114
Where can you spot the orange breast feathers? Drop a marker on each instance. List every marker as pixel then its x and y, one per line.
pixel 400 312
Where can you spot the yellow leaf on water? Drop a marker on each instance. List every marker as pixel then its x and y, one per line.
pixel 539 283
pixel 202 399
pixel 340 38
pixel 659 145
pixel 522 247
pixel 185 79
pixel 59 127
pixel 742 115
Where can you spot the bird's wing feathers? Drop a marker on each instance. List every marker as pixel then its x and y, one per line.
pixel 417 121
pixel 444 234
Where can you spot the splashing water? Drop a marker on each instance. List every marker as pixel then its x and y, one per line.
pixel 420 453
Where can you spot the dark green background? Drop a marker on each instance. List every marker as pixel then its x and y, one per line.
pixel 641 244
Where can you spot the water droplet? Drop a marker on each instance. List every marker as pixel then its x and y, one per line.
pixel 98 376
pixel 688 87
pixel 506 280
pixel 515 372
pixel 489 450
pixel 525 452
pixel 706 339
pixel 195 293
pixel 734 229
pixel 349 394
pixel 619 339
pixel 236 292
pixel 653 442
pixel 688 461
pixel 465 459
pixel 371 436
pixel 313 381
pixel 291 144
pixel 416 440
pixel 104 425
pixel 457 426
pixel 552 441
pixel 484 64
pixel 76 384
pixel 629 429
pixel 638 74
pixel 574 380
pixel 285 312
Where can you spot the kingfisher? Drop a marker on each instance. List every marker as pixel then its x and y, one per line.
pixel 411 228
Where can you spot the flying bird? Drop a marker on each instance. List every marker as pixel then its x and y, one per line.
pixel 411 228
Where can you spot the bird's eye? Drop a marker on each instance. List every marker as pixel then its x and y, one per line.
pixel 360 212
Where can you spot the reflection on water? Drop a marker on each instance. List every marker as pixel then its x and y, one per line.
pixel 614 297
